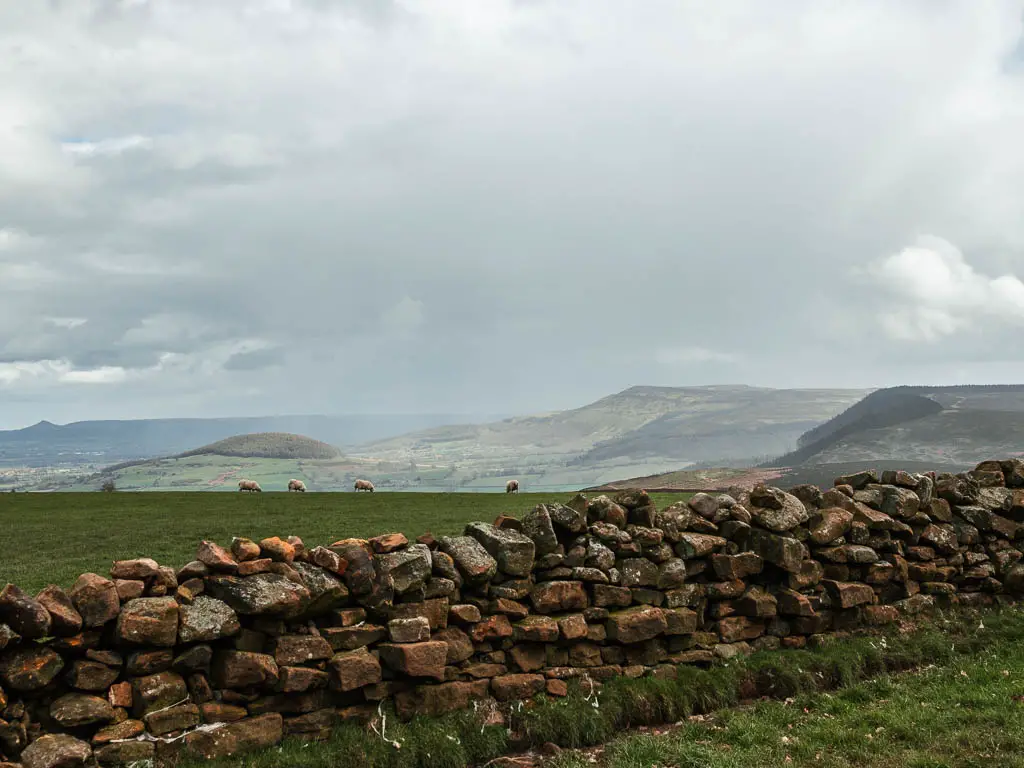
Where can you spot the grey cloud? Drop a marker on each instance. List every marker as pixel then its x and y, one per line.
pixel 253 361
pixel 498 207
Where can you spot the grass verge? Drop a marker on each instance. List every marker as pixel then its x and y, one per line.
pixel 958 709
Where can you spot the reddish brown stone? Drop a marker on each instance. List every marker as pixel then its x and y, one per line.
pixel 244 549
pixel 151 621
pixel 91 675
pixel 252 567
pixel 56 751
pixel 216 558
pixel 328 560
pixel 389 542
pixel 120 695
pixel 876 615
pixel 585 655
pixel 64 619
pixel 539 629
pixel 414 630
pixel 483 670
pixel 517 687
pixel 511 608
pixel 737 628
pixel 129 589
pixel 573 627
pixel 756 602
pixel 23 613
pixel 556 688
pixel 179 718
pixel 608 596
pixel 460 647
pixel 348 617
pixel 354 669
pixel 435 700
pixel 126 729
pixel 235 738
pixel 680 621
pixel 464 614
pixel 792 603
pixel 77 709
pixel 219 712
pixel 558 596
pixel 416 659
pixel 849 594
pixel 241 670
pixel 634 625
pixel 350 638
pixel 301 679
pixel 293 650
pixel 491 628
pixel 277 550
pixel 95 598
pixel 732 567
pixel 140 569
pixel 29 668
pixel 435 611
pixel 157 691
pixel 149 662
pixel 529 657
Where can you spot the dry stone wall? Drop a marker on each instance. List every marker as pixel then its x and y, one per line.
pixel 259 640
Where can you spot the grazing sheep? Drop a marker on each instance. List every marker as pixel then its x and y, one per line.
pixel 364 485
pixel 512 486
pixel 250 486
pixel 296 485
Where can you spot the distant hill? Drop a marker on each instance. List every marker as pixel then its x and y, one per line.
pixel 107 442
pixel 267 445
pixel 822 475
pixel 641 430
pixel 957 425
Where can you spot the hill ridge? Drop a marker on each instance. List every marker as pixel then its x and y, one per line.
pixel 267 445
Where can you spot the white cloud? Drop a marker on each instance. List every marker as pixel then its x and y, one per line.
pixel 66 322
pixel 934 293
pixel 561 178
pixel 108 374
pixel 113 146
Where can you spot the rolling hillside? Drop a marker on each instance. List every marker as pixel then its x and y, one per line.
pixel 106 442
pixel 267 445
pixel 270 458
pixel 959 425
pixel 642 430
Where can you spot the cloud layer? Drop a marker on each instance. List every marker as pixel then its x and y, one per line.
pixel 305 205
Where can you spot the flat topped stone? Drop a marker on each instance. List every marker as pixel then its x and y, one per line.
pixel 205 620
pixel 475 564
pixel 56 750
pixel 262 594
pixel 512 551
pixel 149 621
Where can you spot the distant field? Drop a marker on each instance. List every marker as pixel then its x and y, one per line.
pixel 52 538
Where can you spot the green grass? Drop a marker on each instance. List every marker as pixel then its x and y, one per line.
pixel 55 537
pixel 937 698
pixel 959 709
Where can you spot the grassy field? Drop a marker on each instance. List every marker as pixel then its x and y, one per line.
pixel 945 696
pixel 53 537
pixel 965 712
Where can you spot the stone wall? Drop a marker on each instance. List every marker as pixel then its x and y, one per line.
pixel 250 643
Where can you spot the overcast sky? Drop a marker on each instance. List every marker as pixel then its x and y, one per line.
pixel 242 207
